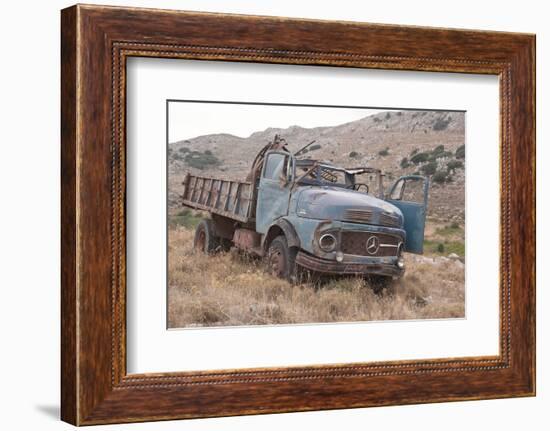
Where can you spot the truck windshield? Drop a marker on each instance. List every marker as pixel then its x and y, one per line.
pixel 325 175
pixel 361 179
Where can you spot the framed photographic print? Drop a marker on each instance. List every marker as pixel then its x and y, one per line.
pixel 265 215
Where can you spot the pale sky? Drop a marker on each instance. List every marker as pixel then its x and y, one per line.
pixel 189 120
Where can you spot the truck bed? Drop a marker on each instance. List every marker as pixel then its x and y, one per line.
pixel 232 199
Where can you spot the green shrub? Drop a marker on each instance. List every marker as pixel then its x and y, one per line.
pixel 208 152
pixel 441 123
pixel 438 149
pixel 429 168
pixel 183 150
pixel 420 158
pixel 413 152
pixel 440 177
pixel 384 152
pixel 454 165
pixel 461 152
pixel 189 219
pixel 446 247
pixel 405 163
pixel 201 161
pixel 353 154
pixel 440 155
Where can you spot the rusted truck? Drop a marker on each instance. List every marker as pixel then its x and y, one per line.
pixel 304 214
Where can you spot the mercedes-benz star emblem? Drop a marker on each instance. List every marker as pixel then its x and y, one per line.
pixel 373 243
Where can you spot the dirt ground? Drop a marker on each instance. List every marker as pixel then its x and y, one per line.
pixel 231 289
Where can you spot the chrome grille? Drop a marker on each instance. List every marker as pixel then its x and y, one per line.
pixel 356 243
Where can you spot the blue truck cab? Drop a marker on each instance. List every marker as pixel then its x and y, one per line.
pixel 301 213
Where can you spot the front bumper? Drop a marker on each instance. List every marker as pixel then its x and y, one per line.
pixel 325 266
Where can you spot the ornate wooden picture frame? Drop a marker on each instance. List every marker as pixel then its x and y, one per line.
pixel 96 42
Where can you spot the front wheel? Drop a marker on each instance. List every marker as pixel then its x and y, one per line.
pixel 281 259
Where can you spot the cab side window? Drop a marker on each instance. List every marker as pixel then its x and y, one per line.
pixel 275 166
pixel 409 190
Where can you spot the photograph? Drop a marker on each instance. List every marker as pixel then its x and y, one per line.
pixel 282 214
pixel 304 214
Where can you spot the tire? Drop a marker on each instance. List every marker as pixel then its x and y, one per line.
pixel 206 240
pixel 281 259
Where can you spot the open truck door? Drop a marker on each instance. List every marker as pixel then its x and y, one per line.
pixel 410 195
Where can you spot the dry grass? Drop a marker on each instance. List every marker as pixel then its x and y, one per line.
pixel 230 289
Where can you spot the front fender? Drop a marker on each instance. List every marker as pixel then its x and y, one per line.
pixel 292 238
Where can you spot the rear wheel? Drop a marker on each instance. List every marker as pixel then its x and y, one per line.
pixel 281 259
pixel 206 240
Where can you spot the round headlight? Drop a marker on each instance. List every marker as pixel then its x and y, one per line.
pixel 327 242
pixel 400 259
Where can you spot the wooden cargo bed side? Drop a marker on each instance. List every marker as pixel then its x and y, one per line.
pixel 232 199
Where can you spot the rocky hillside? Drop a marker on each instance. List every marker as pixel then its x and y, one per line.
pixel 398 142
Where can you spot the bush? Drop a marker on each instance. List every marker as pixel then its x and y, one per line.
pixel 405 163
pixel 353 154
pixel 413 152
pixel 184 150
pixel 376 119
pixel 384 152
pixel 420 158
pixel 454 165
pixel 440 248
pixel 440 177
pixel 187 218
pixel 429 168
pixel 399 113
pixel 388 115
pixel 441 123
pixel 438 149
pixel 201 160
pixel 461 152
pixel 440 155
pixel 208 152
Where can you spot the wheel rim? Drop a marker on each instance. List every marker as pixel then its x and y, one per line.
pixel 201 240
pixel 276 263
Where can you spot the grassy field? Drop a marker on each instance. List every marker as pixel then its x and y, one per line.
pixel 231 289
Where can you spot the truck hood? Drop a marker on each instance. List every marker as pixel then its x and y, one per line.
pixel 333 203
